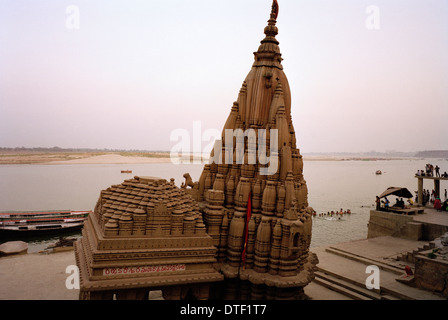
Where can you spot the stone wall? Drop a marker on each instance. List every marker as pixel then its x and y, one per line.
pixel 431 274
pixel 432 231
pixel 382 223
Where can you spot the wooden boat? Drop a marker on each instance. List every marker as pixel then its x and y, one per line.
pixel 378 172
pixel 41 222
pixel 126 171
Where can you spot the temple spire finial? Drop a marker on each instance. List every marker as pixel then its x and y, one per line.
pixel 268 52
pixel 275 9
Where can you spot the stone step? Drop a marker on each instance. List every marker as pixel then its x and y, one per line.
pixel 339 289
pixel 389 297
pixel 351 270
pixel 344 287
pixel 410 255
pixel 383 265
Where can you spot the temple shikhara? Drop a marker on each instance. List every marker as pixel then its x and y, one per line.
pixel 242 231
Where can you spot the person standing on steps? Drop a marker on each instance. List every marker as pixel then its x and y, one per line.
pixel 378 203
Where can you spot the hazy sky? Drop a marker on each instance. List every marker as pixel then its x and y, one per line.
pixel 125 74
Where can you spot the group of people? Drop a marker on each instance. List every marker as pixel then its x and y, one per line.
pixel 334 213
pixel 429 171
pixel 441 206
pixel 430 197
pixel 399 203
pixel 434 199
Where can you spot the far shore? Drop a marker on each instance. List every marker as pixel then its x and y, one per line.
pixel 84 158
pixel 61 158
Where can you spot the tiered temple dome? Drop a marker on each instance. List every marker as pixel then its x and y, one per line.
pixel 145 234
pixel 148 206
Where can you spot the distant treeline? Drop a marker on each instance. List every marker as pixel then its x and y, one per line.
pixel 432 154
pixel 65 150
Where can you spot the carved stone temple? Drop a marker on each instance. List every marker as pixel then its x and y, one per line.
pixel 242 231
pixel 145 234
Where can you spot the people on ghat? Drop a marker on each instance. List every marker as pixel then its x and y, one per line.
pixel 425 197
pixel 386 203
pixel 437 204
pixel 378 203
pixel 433 196
pixel 399 203
pixel 445 205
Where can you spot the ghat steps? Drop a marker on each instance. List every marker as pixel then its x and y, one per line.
pixel 410 256
pixel 342 268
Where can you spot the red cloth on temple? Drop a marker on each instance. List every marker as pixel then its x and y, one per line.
pixel 248 214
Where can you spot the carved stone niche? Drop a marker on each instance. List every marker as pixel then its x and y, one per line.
pixel 215 197
pixel 290 247
pixel 295 232
pixel 159 221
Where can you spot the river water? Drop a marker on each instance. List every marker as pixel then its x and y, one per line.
pixel 332 185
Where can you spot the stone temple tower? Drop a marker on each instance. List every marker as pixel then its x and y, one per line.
pixel 242 231
pixel 253 194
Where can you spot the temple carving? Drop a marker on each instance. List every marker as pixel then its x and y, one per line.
pixel 242 231
pixel 260 221
pixel 145 234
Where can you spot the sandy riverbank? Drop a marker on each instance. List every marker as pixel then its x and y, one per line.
pixel 113 159
pixel 128 158
pixel 83 158
pixel 35 276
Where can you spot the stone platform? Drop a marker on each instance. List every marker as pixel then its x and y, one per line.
pixel 422 226
pixel 342 268
pixel 394 241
